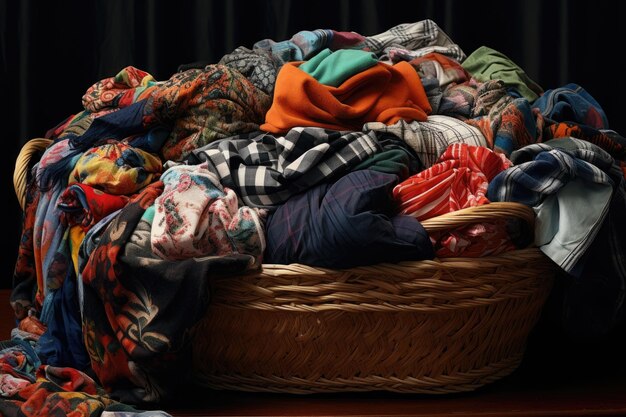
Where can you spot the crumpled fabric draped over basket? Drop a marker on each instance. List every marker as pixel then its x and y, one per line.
pixel 578 192
pixel 138 309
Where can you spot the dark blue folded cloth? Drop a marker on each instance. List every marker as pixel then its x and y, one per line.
pixel 349 223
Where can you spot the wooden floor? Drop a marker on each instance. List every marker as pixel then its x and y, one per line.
pixel 556 385
pixel 504 398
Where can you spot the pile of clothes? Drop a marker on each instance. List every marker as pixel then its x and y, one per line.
pixel 327 149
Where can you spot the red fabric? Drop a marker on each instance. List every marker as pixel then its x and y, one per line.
pixel 458 180
pixel 382 93
pixel 99 204
pixel 473 241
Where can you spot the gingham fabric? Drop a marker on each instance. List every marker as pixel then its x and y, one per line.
pixel 431 138
pixel 266 170
pixel 424 35
pixel 567 176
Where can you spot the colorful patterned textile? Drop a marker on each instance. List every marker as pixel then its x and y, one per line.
pixel 438 66
pixel 305 44
pixel 25 273
pixel 457 181
pixel 76 126
pixel 61 392
pixel 52 260
pixel 88 244
pixel 195 216
pixel 121 413
pixel 116 168
pixel 572 103
pixel 127 87
pixel 84 205
pixel 510 125
pixel 257 66
pixel 18 358
pixel 202 106
pixel 457 100
pixel 265 170
pixel 139 309
pixel 424 37
pixel 487 64
pixel 473 98
pixel 349 223
pixel 382 93
pixel 54 132
pixel 431 138
pixel 608 140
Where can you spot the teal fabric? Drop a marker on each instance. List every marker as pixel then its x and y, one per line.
pixel 333 68
pixel 486 64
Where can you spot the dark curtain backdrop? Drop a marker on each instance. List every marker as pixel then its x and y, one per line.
pixel 51 52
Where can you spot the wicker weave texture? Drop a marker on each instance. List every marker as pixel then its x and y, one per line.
pixel 438 326
pixel 20 173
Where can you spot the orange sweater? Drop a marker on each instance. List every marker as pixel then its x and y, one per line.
pixel 382 93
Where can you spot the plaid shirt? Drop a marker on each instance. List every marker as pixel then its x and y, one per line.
pixel 544 170
pixel 431 138
pixel 420 35
pixel 593 303
pixel 266 170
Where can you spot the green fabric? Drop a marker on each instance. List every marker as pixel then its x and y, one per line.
pixel 392 161
pixel 486 64
pixel 333 68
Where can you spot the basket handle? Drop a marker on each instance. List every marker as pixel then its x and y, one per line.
pixel 20 174
pixel 479 214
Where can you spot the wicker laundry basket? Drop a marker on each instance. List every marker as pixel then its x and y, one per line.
pixel 440 326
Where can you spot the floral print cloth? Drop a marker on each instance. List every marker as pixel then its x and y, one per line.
pixel 196 216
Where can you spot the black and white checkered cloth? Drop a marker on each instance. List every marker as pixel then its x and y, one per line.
pixel 266 170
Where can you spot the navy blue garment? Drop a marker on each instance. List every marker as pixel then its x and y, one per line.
pixel 62 343
pixel 346 224
pixel 118 125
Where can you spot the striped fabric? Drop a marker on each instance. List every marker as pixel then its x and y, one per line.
pixel 457 181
